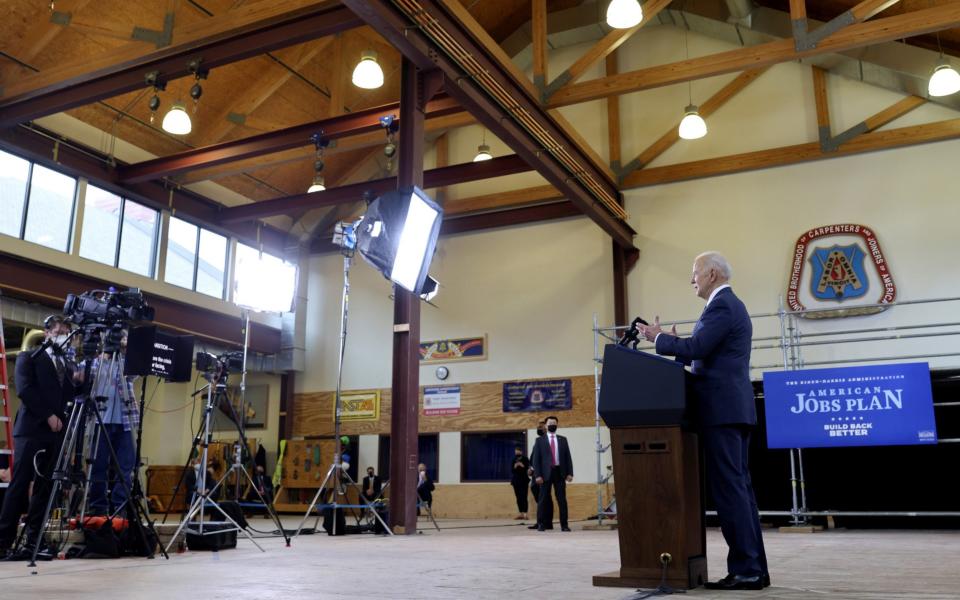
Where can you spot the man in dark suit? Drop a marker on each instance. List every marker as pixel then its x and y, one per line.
pixel 552 467
pixel 718 352
pixel 535 488
pixel 45 385
pixel 371 485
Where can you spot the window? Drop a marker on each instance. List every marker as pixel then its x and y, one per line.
pixel 50 208
pixel 181 253
pixel 109 222
pixel 262 281
pixel 427 452
pixel 212 263
pixel 489 456
pixel 138 239
pixel 101 225
pixel 14 175
pixel 196 258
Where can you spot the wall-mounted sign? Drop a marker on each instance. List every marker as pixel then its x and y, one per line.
pixel 360 405
pixel 441 400
pixel 472 348
pixel 877 405
pixel 839 266
pixel 546 394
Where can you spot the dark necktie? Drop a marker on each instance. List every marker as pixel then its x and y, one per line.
pixel 59 366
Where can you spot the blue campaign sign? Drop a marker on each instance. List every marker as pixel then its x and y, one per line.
pixel 877 405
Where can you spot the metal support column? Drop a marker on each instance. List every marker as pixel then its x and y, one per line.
pixel 406 324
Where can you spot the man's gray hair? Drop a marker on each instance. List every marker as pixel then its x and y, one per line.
pixel 715 260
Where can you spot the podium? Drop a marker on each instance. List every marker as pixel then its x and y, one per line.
pixel 656 467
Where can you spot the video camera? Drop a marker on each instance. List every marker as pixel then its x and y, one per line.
pixel 217 366
pixel 107 307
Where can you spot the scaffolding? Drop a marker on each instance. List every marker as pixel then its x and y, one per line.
pixel 781 345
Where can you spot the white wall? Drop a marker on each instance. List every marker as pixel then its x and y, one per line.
pixel 531 289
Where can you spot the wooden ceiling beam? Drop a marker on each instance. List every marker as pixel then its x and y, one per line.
pixel 823 108
pixel 538 26
pixel 472 171
pixel 441 34
pixel 514 216
pixel 600 50
pixel 888 29
pixel 789 155
pixel 364 121
pixel 239 34
pixel 442 122
pixel 501 200
pixel 672 135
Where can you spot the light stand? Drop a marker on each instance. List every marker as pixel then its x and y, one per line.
pixel 202 496
pixel 336 470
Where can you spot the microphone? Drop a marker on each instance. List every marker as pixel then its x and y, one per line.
pixel 630 337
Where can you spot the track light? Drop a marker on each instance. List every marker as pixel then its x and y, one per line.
pixel 944 81
pixel 368 74
pixel 624 14
pixel 177 121
pixel 692 127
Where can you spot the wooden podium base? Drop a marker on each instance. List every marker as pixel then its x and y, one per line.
pixel 649 578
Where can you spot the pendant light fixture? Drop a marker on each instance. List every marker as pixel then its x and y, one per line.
pixel 692 126
pixel 944 80
pixel 624 14
pixel 368 74
pixel 177 121
pixel 483 150
pixel 318 184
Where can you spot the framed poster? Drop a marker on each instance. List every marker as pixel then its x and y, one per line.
pixel 455 349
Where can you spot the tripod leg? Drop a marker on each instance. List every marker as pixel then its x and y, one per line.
pixel 273 514
pixel 370 505
pixel 313 503
pixel 67 448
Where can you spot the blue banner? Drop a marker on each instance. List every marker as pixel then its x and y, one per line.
pixel 550 394
pixel 877 405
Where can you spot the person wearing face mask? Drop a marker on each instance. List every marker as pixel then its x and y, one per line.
pixel 552 468
pixel 371 485
pixel 425 487
pixel 547 516
pixel 120 416
pixel 45 382
pixel 520 480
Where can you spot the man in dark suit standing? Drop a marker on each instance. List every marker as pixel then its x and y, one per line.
pixel 552 467
pixel 45 385
pixel 371 485
pixel 718 352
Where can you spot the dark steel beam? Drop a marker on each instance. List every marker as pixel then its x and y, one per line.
pixel 405 385
pixel 47 285
pixel 49 149
pixel 439 177
pixel 274 141
pixel 513 216
pixel 411 40
pixel 228 46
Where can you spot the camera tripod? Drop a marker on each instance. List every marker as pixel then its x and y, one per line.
pixel 216 391
pixel 86 420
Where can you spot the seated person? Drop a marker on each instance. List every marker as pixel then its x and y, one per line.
pixel 261 484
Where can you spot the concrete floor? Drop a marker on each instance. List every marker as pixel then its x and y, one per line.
pixel 475 560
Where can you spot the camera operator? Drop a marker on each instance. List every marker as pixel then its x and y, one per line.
pixel 45 383
pixel 120 416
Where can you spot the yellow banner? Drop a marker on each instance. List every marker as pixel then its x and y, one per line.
pixel 360 406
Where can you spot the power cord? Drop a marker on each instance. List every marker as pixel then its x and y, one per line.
pixel 661 590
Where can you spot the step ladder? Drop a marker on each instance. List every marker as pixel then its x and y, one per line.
pixel 5 420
